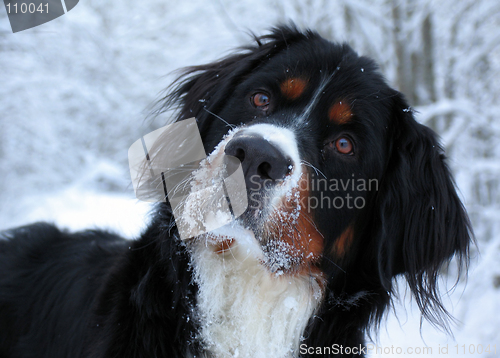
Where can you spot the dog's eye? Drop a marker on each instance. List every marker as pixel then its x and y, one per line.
pixel 260 100
pixel 344 146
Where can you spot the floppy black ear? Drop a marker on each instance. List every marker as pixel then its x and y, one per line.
pixel 423 222
pixel 202 89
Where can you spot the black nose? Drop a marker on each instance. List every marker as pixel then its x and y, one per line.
pixel 261 161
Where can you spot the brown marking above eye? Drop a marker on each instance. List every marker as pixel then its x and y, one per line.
pixel 292 88
pixel 340 113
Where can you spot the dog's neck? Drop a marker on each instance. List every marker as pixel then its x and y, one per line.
pixel 245 310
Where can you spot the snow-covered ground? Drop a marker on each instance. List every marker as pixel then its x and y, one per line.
pixel 74 94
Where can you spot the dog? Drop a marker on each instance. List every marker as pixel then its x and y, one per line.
pixel 345 193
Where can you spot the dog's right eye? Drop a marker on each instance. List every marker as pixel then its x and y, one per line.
pixel 261 100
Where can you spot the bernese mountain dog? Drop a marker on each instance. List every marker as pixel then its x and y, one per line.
pixel 345 190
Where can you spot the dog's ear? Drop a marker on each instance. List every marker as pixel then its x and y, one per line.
pixel 423 222
pixel 202 89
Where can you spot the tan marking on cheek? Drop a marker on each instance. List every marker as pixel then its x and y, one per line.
pixel 343 242
pixel 340 113
pixel 292 88
pixel 294 226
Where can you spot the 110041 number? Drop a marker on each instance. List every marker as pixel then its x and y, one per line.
pixel 476 349
pixel 25 8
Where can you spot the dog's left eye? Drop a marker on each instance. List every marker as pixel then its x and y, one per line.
pixel 342 145
pixel 260 100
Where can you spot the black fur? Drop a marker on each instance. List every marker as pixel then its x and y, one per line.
pixel 93 294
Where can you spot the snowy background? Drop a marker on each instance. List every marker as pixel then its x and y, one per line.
pixel 74 94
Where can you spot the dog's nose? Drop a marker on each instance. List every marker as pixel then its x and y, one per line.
pixel 261 160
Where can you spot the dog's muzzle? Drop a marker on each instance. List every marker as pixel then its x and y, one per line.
pixel 264 164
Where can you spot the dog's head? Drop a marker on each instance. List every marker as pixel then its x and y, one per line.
pixel 342 183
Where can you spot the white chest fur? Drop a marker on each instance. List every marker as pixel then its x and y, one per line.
pixel 245 310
